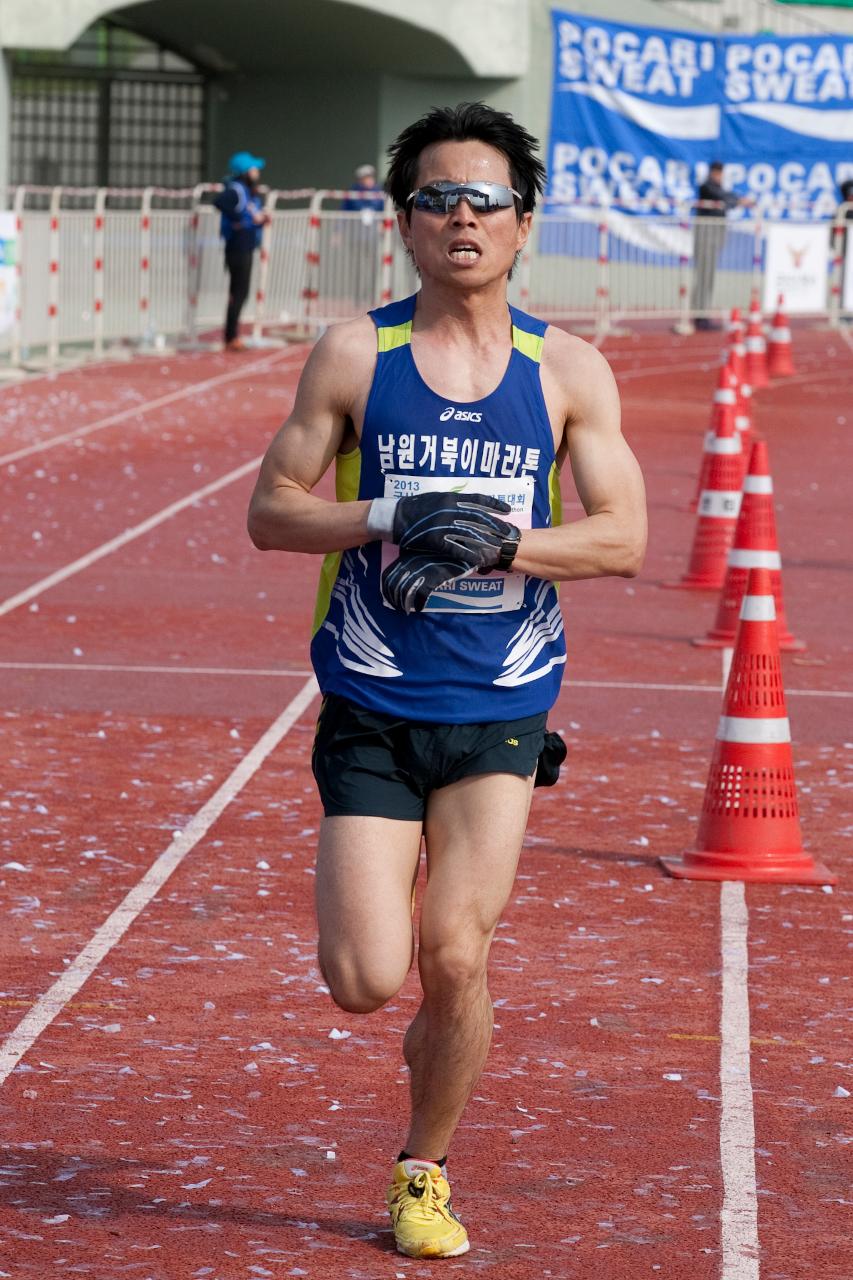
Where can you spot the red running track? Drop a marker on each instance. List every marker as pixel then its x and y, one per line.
pixel 187 1112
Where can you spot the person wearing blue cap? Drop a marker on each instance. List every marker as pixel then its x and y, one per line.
pixel 243 219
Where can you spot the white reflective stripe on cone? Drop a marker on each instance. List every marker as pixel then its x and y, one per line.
pixel 710 437
pixel 758 609
pixel 755 345
pixel 740 729
pixel 780 335
pixel 723 503
pixel 758 484
pixel 725 444
pixel 724 395
pixel 743 559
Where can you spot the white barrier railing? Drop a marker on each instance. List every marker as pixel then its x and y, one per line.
pixel 353 257
pixel 97 266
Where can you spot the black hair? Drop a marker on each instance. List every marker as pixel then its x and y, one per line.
pixel 458 124
pixel 715 164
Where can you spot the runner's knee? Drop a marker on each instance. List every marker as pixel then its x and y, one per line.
pixel 361 984
pixel 452 963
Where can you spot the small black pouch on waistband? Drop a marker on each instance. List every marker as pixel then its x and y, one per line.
pixel 552 755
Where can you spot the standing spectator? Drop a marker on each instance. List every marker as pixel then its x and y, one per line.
pixel 842 234
pixel 364 193
pixel 243 220
pixel 362 234
pixel 709 233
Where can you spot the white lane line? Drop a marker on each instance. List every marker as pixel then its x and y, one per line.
pixel 739 1219
pixel 800 378
pixel 115 544
pixel 145 406
pixel 289 672
pixel 663 368
pixel 54 1000
pixel 844 334
pixel 698 688
pixel 155 671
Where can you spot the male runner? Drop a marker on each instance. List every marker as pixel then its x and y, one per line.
pixel 438 639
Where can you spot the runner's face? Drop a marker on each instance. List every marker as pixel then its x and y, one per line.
pixel 463 248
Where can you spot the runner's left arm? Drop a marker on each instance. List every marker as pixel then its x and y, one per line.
pixel 610 540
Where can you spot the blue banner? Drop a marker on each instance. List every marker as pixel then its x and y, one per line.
pixel 639 112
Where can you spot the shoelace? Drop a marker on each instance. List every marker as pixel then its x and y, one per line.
pixel 426 1199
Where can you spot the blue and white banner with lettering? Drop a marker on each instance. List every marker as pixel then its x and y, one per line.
pixel 639 112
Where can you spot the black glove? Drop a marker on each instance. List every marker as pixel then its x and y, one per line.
pixel 409 582
pixel 461 526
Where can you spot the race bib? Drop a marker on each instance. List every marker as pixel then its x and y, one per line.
pixel 480 593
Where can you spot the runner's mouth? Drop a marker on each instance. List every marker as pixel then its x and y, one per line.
pixel 463 251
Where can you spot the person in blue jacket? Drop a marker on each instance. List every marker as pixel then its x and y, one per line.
pixel 243 219
pixel 362 234
pixel 364 192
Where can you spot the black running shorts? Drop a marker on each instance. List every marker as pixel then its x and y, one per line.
pixel 374 765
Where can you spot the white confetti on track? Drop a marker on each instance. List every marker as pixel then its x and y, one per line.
pixel 50 1005
pixel 146 406
pixel 122 539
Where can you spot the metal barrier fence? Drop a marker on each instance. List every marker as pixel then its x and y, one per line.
pixel 606 266
pixel 97 267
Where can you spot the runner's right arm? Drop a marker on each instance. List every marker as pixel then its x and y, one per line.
pixel 284 515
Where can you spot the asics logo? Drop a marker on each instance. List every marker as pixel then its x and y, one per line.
pixel 459 415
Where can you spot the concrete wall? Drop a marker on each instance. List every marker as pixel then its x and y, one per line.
pixel 311 129
pixel 491 35
pixel 315 126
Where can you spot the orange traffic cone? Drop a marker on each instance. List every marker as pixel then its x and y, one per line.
pixel 723 408
pixel 755 546
pixel 718 509
pixel 750 826
pixel 756 348
pixel 780 360
pixel 734 319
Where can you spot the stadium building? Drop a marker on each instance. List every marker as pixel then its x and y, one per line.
pixel 161 92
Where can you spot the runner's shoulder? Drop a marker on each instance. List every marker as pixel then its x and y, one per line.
pixel 344 359
pixel 351 341
pixel 569 359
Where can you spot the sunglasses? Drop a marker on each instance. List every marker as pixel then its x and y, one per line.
pixel 483 197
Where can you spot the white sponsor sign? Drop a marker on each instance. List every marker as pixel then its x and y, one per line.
pixel 797 266
pixel 8 274
pixel 847 294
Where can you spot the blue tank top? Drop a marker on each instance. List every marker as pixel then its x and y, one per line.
pixel 491 647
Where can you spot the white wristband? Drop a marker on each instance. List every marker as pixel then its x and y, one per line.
pixel 380 518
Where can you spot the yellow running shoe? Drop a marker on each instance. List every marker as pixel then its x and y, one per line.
pixel 425 1225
